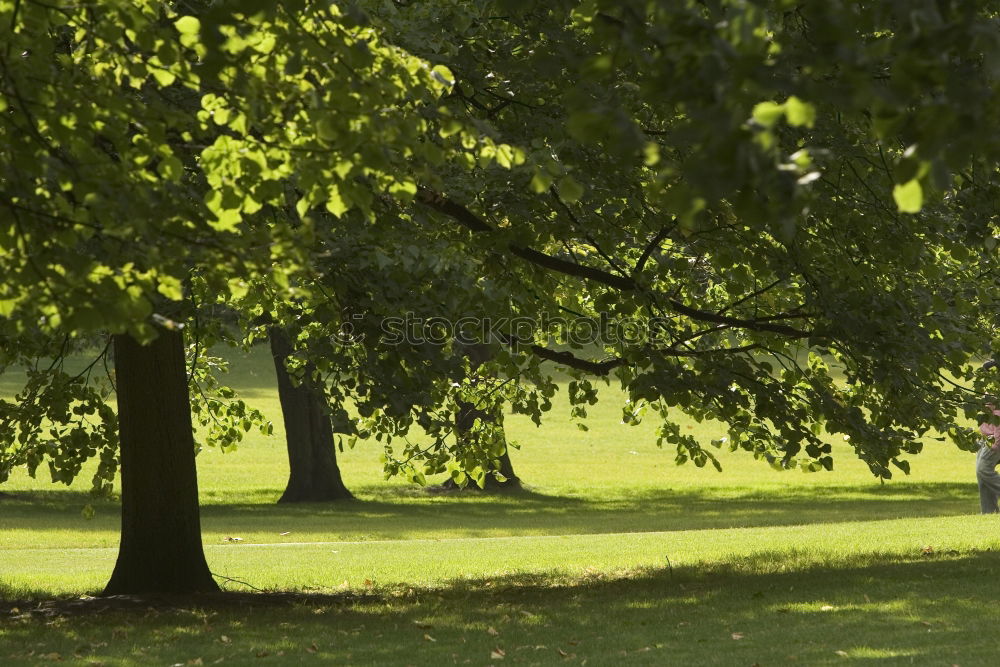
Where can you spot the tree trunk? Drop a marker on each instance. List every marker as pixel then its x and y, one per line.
pixel 313 473
pixel 464 420
pixel 507 470
pixel 160 549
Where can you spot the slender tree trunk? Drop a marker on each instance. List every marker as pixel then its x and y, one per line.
pixel 478 354
pixel 467 415
pixel 161 549
pixel 313 473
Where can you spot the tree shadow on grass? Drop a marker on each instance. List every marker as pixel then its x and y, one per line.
pixel 394 512
pixel 387 516
pixel 769 608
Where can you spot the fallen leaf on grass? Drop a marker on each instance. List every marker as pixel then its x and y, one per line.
pixel 842 654
pixel 497 653
pixel 225 640
pixel 423 625
pixel 737 635
pixel 492 631
pixel 312 648
pixel 196 661
pixel 428 638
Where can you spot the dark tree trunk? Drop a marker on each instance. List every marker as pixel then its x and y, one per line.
pixel 478 354
pixel 507 470
pixel 467 415
pixel 313 473
pixel 161 549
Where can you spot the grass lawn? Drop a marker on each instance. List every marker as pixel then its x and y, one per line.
pixel 612 555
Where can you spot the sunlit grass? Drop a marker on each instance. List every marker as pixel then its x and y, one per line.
pixel 303 562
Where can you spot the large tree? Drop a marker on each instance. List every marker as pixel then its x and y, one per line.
pixel 119 185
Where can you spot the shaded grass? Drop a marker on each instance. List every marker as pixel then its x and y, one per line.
pixel 866 608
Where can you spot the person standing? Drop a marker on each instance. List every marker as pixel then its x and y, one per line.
pixel 986 465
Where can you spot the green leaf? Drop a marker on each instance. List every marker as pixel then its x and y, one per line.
pixel 443 75
pixel 505 156
pixel 302 206
pixel 541 181
pixel 449 126
pixel 7 307
pixel 335 202
pixel 188 25
pixel 768 113
pixel 326 128
pixel 569 189
pixel 909 196
pixel 170 168
pixel 162 76
pixel 170 287
pixel 651 153
pixel 799 113
pixel 405 190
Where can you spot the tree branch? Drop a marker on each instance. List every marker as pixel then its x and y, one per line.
pixel 653 245
pixel 474 223
pixel 753 325
pixel 569 359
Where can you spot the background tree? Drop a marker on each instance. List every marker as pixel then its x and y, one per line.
pixel 313 473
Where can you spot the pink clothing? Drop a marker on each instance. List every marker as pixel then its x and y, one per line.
pixel 992 432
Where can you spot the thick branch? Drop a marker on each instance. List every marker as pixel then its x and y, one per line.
pixel 474 223
pixel 753 325
pixel 653 245
pixel 572 361
pixel 604 367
